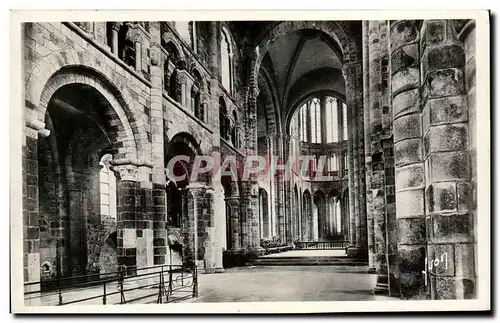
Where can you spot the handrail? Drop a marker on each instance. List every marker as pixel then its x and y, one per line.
pixel 322 245
pixel 167 279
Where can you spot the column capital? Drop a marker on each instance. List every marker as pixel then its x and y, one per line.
pixel 38 126
pixel 116 25
pixel 126 172
pixel 233 201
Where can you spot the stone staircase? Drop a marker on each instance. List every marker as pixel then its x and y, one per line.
pixel 307 261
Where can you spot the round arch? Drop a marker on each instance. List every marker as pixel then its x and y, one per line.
pixel 168 38
pixel 74 67
pixel 188 139
pixel 335 30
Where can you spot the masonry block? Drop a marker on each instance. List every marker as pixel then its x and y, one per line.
pixel 442 57
pixel 442 197
pixel 411 230
pixel 408 126
pixel 449 166
pixel 410 203
pixel 408 151
pixel 405 79
pixel 405 56
pixel 447 82
pixel 448 110
pixel 403 32
pixel 446 138
pixel 411 176
pixel 440 261
pixel 452 228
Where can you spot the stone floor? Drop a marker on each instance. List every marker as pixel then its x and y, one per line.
pixel 287 283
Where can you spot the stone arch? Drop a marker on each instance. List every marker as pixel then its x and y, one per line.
pixel 335 30
pixel 69 67
pixel 168 38
pixel 197 76
pixel 187 139
pixel 269 97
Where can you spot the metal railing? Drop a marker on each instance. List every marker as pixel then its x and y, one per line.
pixel 322 245
pixel 156 284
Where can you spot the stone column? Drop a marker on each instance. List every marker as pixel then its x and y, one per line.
pixel 350 177
pixel 157 147
pixel 354 84
pixel 208 231
pixel 450 256
pixel 30 200
pixel 234 206
pixel 126 218
pixel 115 27
pixel 367 73
pixel 251 187
pixel 378 98
pixel 185 82
pixel 409 168
pixel 137 45
pixel 220 227
pixel 314 222
pixel 276 155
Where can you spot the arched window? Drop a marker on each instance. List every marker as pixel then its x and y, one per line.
pixel 222 117
pixel 344 120
pixel 332 133
pixel 317 120
pixel 226 54
pixel 196 104
pixel 315 110
pixel 172 89
pixel 333 163
pixel 126 49
pixel 170 70
pixel 234 131
pixel 107 182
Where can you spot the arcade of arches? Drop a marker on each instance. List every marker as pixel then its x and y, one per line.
pixel 388 105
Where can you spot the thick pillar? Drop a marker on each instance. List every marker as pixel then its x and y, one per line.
pixel 251 187
pixel 354 88
pixel 234 206
pixel 157 146
pixel 134 215
pixel 220 227
pixel 409 168
pixel 126 219
pixel 450 254
pixel 378 101
pixel 277 158
pixel 31 230
pixel 350 178
pixel 368 158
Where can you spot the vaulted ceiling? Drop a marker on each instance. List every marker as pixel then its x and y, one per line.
pixel 293 56
pixel 296 65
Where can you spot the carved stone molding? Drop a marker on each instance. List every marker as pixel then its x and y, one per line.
pixel 39 126
pixel 126 172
